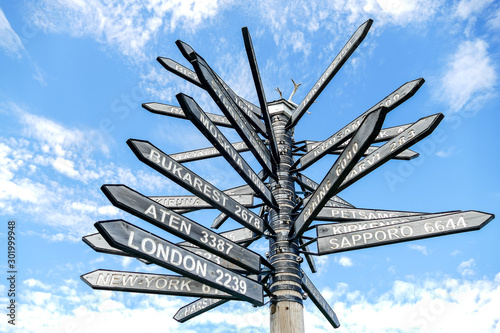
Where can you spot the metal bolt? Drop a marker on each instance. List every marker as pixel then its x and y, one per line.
pixel 300 259
pixel 305 296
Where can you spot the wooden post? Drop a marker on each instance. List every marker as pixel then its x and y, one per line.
pixel 286 310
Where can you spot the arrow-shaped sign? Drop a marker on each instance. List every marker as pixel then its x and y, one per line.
pixel 150 284
pixel 360 214
pixel 425 228
pixel 175 111
pixel 330 72
pixel 329 186
pixel 334 229
pixel 215 136
pixel 390 102
pixel 194 202
pixel 273 147
pixel 393 147
pixel 178 173
pixel 141 206
pixel 200 154
pixel 233 114
pixel 197 308
pixel 404 155
pixel 146 245
pixel 319 301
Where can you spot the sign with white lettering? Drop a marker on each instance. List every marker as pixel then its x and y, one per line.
pixel 407 138
pixel 148 210
pixel 233 114
pixel 161 162
pixel 260 93
pixel 330 72
pixel 241 235
pixel 175 111
pixel 201 154
pixel 358 214
pixel 308 184
pixel 390 102
pixel 213 258
pixel 150 284
pixel 319 301
pixel 194 202
pixel 333 229
pixel 215 136
pixel 406 231
pixel 404 155
pixel 197 308
pixel 146 245
pixel 329 186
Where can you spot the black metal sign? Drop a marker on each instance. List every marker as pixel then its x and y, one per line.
pixel 407 138
pixel 159 284
pixel 404 155
pixel 215 136
pixel 330 72
pixel 273 147
pixel 135 203
pixel 178 173
pixel 407 231
pixel 175 111
pixel 220 95
pixel 329 186
pixel 334 229
pixel 319 301
pixel 390 102
pixel 197 308
pixel 200 154
pixel 359 214
pixel 128 237
pixel 194 202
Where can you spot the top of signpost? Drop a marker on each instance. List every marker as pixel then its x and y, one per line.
pixel 281 106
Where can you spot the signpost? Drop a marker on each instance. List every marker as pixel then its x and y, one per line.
pixel 218 266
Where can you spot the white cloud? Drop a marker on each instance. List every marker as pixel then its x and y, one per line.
pixel 50 174
pixel 419 248
pixel 129 26
pixel 494 20
pixel 466 268
pixel 466 8
pixel 9 40
pixel 343 261
pixel 469 79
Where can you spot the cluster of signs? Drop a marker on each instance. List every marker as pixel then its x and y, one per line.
pixel 219 267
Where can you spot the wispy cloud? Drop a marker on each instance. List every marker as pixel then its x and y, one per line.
pixel 343 261
pixel 469 79
pixel 48 170
pixel 467 8
pixel 420 248
pixel 128 26
pixel 466 268
pixel 9 40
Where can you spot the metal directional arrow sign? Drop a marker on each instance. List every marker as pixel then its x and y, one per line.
pixel 135 203
pixel 390 102
pixel 175 111
pixel 197 308
pixel 407 231
pixel 193 202
pixel 215 136
pixel 232 112
pixel 128 237
pixel 329 186
pixel 319 301
pixel 310 185
pixel 184 177
pixel 330 72
pixel 151 284
pixel 200 154
pixel 333 229
pixel 260 92
pixel 357 214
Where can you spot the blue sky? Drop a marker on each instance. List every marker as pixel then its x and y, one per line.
pixel 74 75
